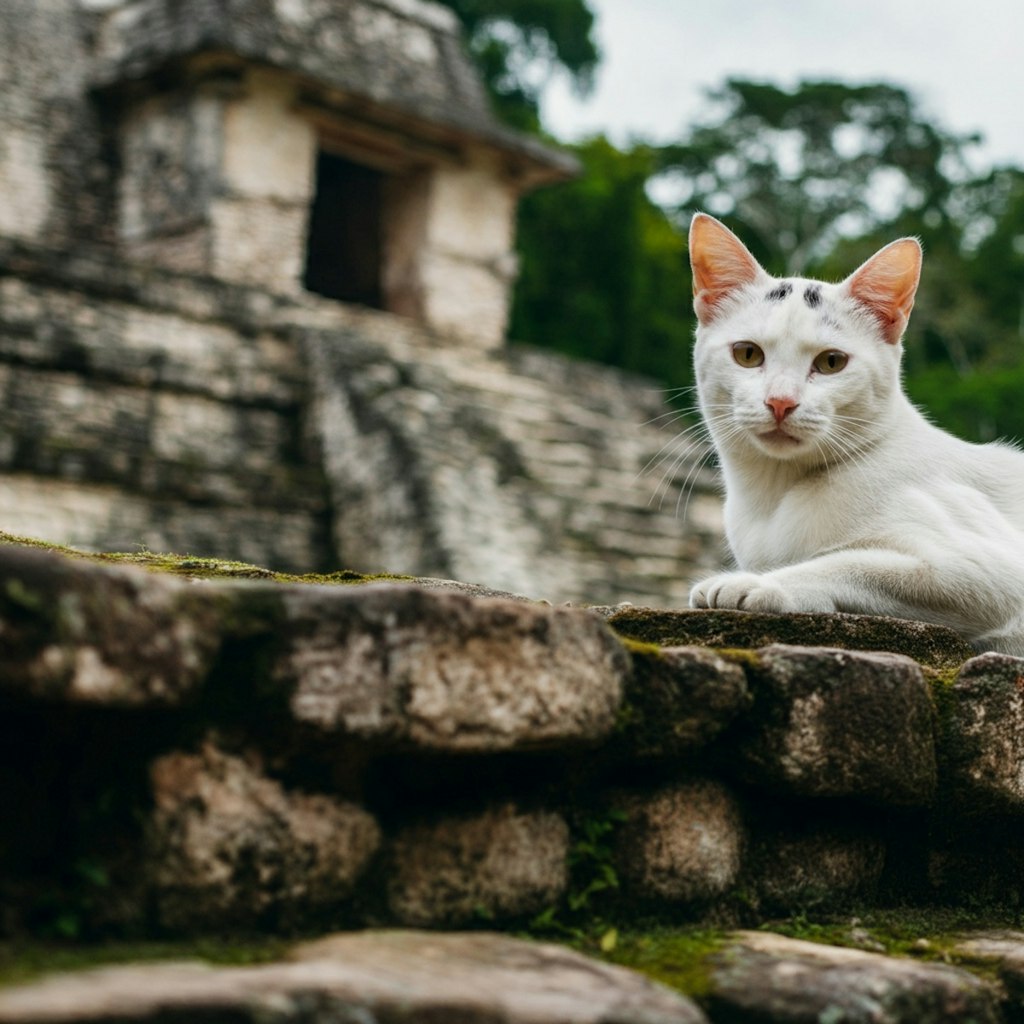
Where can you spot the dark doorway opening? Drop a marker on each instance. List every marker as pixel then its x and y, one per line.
pixel 345 238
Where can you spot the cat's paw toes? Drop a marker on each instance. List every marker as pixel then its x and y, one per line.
pixel 745 591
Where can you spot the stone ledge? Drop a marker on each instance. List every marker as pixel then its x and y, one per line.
pixel 932 646
pixel 475 978
pixel 466 748
pixel 764 977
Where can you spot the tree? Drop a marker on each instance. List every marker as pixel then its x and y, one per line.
pixel 604 270
pixel 520 44
pixel 793 171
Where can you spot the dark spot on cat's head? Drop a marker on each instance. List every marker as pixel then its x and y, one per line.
pixel 812 296
pixel 779 292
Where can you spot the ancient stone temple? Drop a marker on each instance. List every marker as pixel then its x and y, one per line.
pixel 255 268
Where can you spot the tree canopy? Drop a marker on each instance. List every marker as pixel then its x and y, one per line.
pixel 520 44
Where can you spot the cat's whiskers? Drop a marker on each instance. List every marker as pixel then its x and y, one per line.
pixel 684 449
pixel 696 438
pixel 698 428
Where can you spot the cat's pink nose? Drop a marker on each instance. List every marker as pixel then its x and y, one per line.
pixel 780 407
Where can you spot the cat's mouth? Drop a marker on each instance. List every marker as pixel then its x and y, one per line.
pixel 778 436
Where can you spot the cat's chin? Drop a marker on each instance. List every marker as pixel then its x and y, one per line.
pixel 780 443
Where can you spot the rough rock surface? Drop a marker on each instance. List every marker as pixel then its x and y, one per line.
pixel 90 634
pixel 840 724
pixel 411 977
pixel 933 646
pixel 813 866
pixel 682 844
pixel 228 844
pixel 1003 949
pixel 503 863
pixel 982 715
pixel 446 672
pixel 679 699
pixel 761 977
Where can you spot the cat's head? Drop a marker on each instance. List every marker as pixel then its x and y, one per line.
pixel 790 368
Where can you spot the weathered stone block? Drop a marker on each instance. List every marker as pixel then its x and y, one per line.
pixel 1004 950
pixel 230 848
pixel 85 633
pixel 678 699
pixel 765 977
pixel 504 863
pixel 447 672
pixel 792 871
pixel 934 646
pixel 418 978
pixel 682 844
pixel 982 735
pixel 831 723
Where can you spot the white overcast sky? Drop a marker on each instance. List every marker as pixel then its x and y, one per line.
pixel 963 59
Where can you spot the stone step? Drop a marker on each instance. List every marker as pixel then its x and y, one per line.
pixel 762 977
pixel 424 752
pixel 418 978
pixel 758 977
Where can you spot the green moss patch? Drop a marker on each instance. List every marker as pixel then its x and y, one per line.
pixel 199 568
pixel 933 646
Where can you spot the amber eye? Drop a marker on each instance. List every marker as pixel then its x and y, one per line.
pixel 830 361
pixel 746 353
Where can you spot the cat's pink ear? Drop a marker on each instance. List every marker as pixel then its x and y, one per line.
pixel 720 262
pixel 887 283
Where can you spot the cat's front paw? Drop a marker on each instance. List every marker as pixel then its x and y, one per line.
pixel 743 590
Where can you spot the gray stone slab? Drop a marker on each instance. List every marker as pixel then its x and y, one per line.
pixel 443 671
pixel 227 846
pixel 680 844
pixel 417 978
pixel 934 646
pixel 982 735
pixel 678 699
pixel 769 979
pixel 84 633
pixel 503 863
pixel 833 723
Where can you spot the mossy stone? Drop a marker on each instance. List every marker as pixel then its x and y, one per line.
pixel 933 646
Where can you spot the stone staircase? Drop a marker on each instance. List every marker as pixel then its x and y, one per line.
pixel 208 750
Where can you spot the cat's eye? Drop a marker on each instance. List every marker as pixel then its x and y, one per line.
pixel 746 353
pixel 830 361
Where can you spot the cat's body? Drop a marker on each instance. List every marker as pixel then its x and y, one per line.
pixel 840 495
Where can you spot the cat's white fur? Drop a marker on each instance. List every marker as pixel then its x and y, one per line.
pixel 852 501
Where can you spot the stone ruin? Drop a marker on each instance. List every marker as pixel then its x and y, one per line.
pixel 255 268
pixel 255 259
pixel 201 749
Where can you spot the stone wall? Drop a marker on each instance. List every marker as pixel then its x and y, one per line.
pixel 187 754
pixel 299 756
pixel 161 411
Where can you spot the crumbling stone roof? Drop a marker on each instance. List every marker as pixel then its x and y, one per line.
pixel 392 62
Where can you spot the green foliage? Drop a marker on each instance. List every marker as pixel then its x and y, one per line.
pixel 792 171
pixel 592 879
pixel 604 270
pixel 520 44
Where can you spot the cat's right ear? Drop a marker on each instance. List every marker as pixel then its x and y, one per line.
pixel 720 262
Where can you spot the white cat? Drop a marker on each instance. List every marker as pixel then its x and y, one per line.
pixel 840 495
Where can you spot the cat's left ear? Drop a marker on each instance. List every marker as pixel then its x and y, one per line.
pixel 887 283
